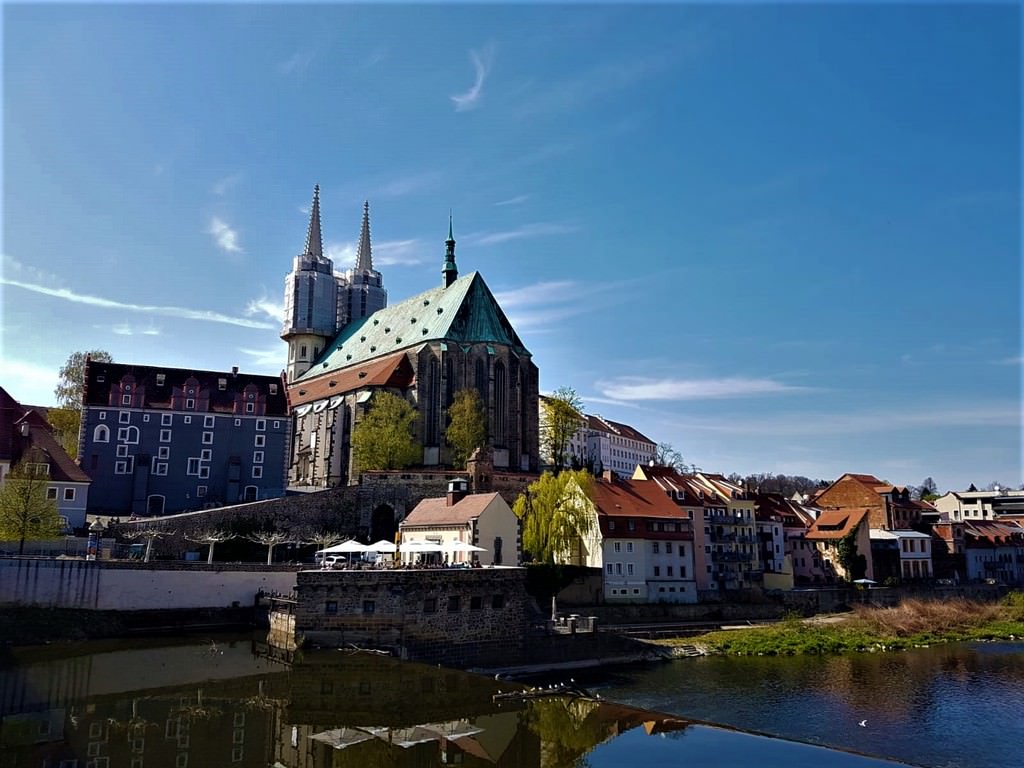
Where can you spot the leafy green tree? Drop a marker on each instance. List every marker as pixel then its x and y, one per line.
pixel 467 428
pixel 72 377
pixel 26 513
pixel 561 417
pixel 384 437
pixel 850 560
pixel 67 416
pixel 556 514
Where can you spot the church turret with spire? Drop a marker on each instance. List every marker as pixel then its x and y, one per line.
pixel 319 302
pixel 449 272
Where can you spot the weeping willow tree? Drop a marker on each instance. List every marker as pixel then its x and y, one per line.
pixel 556 515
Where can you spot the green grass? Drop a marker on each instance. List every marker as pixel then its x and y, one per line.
pixel 911 624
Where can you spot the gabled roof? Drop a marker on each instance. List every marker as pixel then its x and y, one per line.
pixel 836 523
pixel 437 512
pixel 790 512
pixel 22 429
pixel 681 487
pixel 629 498
pixel 601 424
pixel 392 371
pixel 465 312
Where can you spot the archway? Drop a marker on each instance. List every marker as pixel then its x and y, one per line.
pixel 382 523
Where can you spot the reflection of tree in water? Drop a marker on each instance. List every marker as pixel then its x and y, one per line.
pixel 568 729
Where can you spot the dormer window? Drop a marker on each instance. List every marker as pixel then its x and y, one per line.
pixel 160 378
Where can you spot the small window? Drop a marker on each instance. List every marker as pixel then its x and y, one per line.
pixel 190 402
pixel 629 546
pixel 657 570
pixel 205 455
pixel 145 417
pixel 272 387
pixel 101 434
pixel 200 491
pixel 120 467
pixel 51 493
pixel 126 400
pixel 629 569
pixel 611 525
pixel 277 425
pixel 204 472
pixel 497 602
pixel 476 603
pixel 331 607
pixel 261 440
pixel 160 468
pixel 160 379
pixel 257 457
pixel 207 438
pixel 163 452
pixel 165 435
pixel 257 473
pixel 165 419
pixel 238 422
pixel 250 408
pixel 454 604
pixel 369 606
pixel 103 415
pixel 208 422
pixel 655 548
pixel 261 424
pixel 608 569
pixel 122 451
pixel 124 417
pixel 222 384
pixel 193 466
pixel 631 525
pixel 188 419
pixel 430 605
pixel 617 546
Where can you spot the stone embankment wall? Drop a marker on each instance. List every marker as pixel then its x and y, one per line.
pixel 131 586
pixel 458 617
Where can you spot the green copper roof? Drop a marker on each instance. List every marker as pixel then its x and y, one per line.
pixel 465 312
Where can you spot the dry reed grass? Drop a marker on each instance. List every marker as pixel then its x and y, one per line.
pixel 916 617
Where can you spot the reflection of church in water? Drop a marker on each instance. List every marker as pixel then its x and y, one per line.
pixel 345 344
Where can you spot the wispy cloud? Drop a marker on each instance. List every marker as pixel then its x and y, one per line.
pixel 297 63
pixel 1016 360
pixel 514 200
pixel 124 329
pixel 166 311
pixel 628 388
pixel 538 306
pixel 225 237
pixel 222 186
pixel 270 359
pixel 481 66
pixel 265 306
pixel 385 253
pixel 536 229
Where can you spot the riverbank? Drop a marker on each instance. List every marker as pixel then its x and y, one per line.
pixel 913 623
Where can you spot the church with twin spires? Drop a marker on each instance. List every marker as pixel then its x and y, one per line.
pixel 345 344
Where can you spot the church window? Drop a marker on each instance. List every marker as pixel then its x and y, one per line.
pixel 500 404
pixel 432 394
pixel 481 380
pixel 302 352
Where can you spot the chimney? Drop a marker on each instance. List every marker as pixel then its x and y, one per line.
pixel 456 491
pixel 608 476
pixel 234 370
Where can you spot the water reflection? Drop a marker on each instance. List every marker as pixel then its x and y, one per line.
pixel 234 702
pixel 954 706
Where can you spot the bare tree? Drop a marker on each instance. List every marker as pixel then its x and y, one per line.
pixel 271 539
pixel 667 456
pixel 150 535
pixel 321 538
pixel 212 537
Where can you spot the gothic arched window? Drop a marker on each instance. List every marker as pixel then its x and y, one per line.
pixel 481 380
pixel 500 404
pixel 101 434
pixel 432 394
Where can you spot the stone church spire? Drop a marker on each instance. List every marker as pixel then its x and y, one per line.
pixel 364 256
pixel 449 272
pixel 314 240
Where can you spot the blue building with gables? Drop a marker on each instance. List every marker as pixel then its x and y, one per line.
pixel 159 440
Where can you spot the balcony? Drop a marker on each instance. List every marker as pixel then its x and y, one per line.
pixel 732 557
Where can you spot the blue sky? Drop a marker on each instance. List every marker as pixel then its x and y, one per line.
pixel 783 238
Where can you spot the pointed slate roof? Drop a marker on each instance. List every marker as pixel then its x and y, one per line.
pixel 465 312
pixel 364 256
pixel 314 240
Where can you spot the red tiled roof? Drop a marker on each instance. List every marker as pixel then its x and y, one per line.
pixel 391 371
pixel 602 424
pixel 437 512
pixel 836 523
pixel 14 445
pixel 633 498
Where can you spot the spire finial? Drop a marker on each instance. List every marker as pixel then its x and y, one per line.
pixel 364 256
pixel 449 272
pixel 314 241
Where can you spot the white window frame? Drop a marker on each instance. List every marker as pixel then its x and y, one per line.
pixel 257 457
pixel 257 472
pixel 261 425
pixel 192 468
pixel 160 468
pixel 250 408
pixel 207 438
pixel 188 419
pixel 200 491
pixel 163 452
pixel 190 403
pixel 208 422
pixel 166 419
pixel 103 415
pixel 51 494
pixel 205 454
pixel 124 417
pixel 204 472
pixel 122 451
pixel 101 434
pixel 260 441
pixel 126 399
pixel 277 425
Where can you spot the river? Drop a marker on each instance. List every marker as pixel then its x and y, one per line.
pixel 233 701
